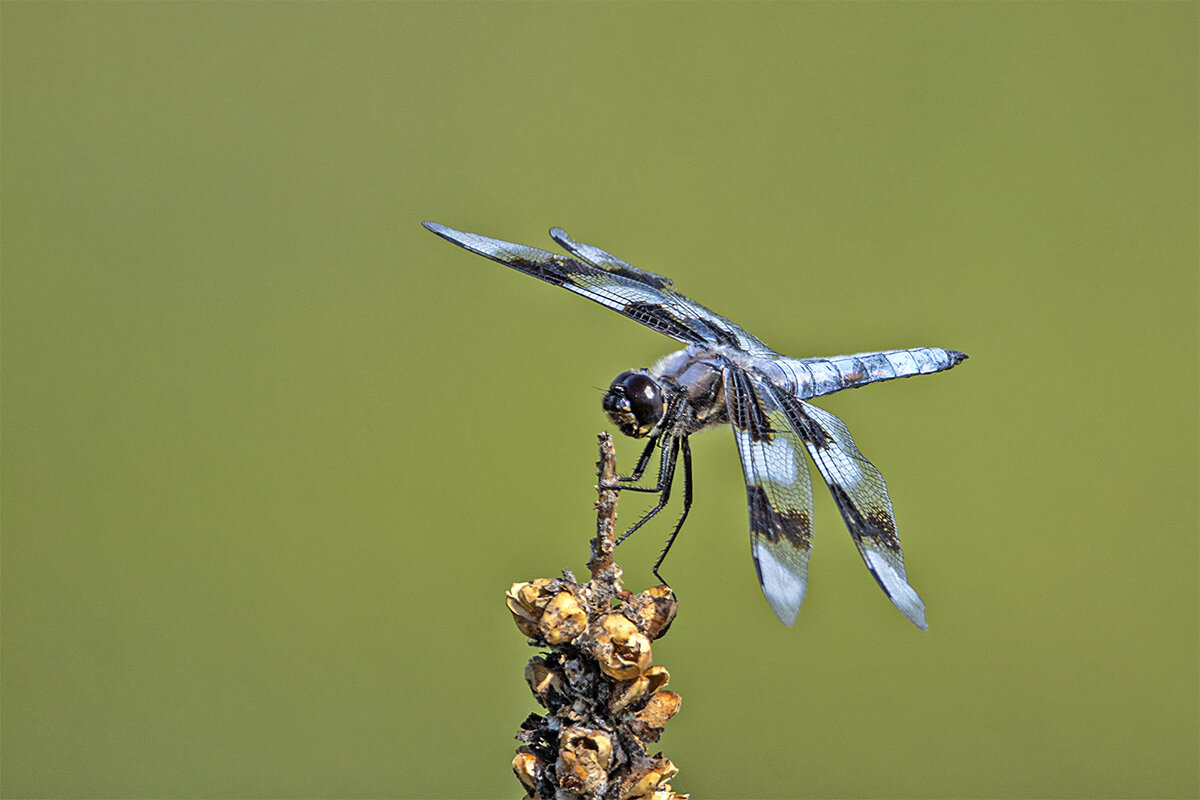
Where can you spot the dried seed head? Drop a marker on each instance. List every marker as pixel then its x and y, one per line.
pixel 650 781
pixel 659 708
pixel 603 700
pixel 563 619
pixel 652 610
pixel 622 651
pixel 583 761
pixel 526 766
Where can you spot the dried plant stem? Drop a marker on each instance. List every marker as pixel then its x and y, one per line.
pixel 606 514
pixel 604 701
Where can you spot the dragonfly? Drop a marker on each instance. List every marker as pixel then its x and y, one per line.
pixel 726 376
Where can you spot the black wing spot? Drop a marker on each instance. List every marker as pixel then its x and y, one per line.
pixel 553 271
pixel 812 433
pixel 659 318
pixel 879 527
pixel 793 525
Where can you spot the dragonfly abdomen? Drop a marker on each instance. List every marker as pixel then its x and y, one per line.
pixel 813 377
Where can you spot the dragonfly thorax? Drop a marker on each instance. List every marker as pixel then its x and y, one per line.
pixel 634 403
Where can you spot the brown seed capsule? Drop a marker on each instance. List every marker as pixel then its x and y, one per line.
pixel 658 677
pixel 543 680
pixel 563 619
pixel 525 767
pixel 659 708
pixel 649 782
pixel 652 610
pixel 527 627
pixel 583 761
pixel 665 793
pixel 527 602
pixel 622 651
pixel 629 693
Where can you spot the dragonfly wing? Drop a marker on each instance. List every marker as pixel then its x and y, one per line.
pixel 861 495
pixel 778 491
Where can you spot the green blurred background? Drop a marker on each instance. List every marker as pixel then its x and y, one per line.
pixel 272 453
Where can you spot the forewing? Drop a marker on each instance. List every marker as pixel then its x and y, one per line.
pixel 861 495
pixel 603 278
pixel 778 491
pixel 715 328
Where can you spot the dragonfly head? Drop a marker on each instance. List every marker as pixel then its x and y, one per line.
pixel 634 403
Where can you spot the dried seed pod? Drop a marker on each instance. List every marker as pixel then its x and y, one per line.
pixel 665 793
pixel 653 610
pixel 658 678
pixel 527 627
pixel 659 708
pixel 583 761
pixel 543 679
pixel 649 781
pixel 525 767
pixel 627 693
pixel 631 692
pixel 622 651
pixel 527 602
pixel 563 618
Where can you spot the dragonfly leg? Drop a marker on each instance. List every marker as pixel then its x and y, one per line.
pixel 643 460
pixel 640 470
pixel 687 506
pixel 666 474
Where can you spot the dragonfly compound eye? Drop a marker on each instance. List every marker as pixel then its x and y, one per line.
pixel 634 403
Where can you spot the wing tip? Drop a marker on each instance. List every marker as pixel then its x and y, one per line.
pixel 895 585
pixel 916 616
pixel 786 616
pixel 486 246
pixel 781 584
pixel 444 231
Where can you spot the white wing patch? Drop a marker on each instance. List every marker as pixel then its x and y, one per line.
pixel 776 461
pixel 781 585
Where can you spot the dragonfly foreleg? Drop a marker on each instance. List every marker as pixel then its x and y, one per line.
pixel 640 469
